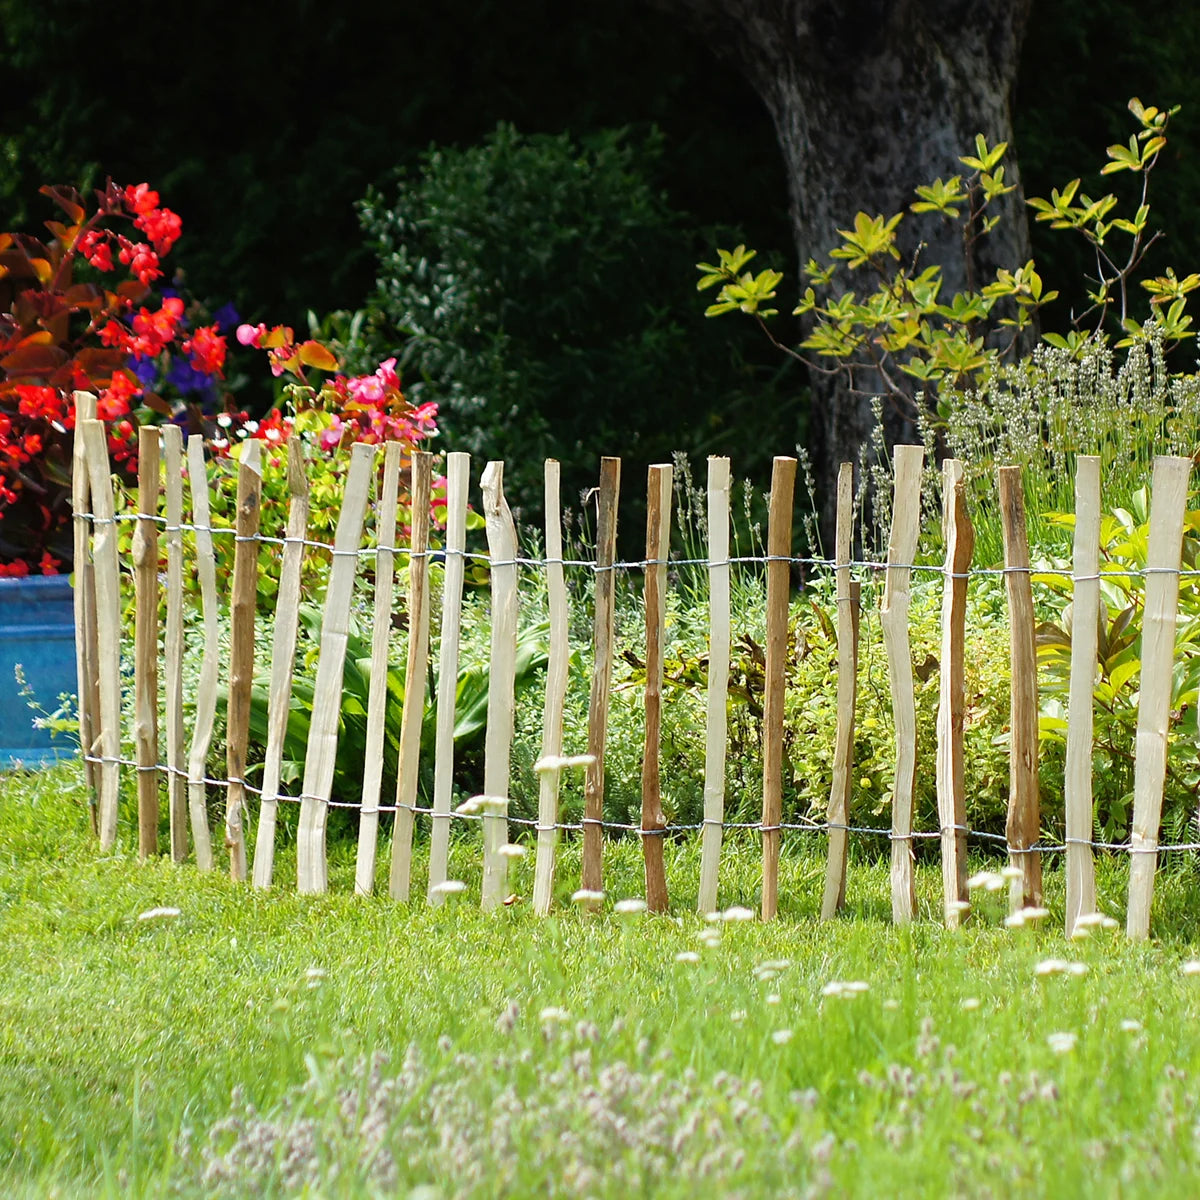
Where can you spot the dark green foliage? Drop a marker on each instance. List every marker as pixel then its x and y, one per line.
pixel 536 288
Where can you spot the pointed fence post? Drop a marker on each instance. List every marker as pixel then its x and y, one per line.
pixel 1168 504
pixel 1085 609
pixel 847 681
pixel 85 602
pixel 658 542
pixel 243 608
pixel 779 552
pixel 502 550
pixel 206 688
pixel 145 640
pixel 108 626
pixel 602 662
pixel 377 695
pixel 312 870
pixel 959 537
pixel 893 617
pixel 176 763
pixel 718 682
pixel 458 471
pixel 283 656
pixel 1024 814
pixel 415 669
pixel 556 693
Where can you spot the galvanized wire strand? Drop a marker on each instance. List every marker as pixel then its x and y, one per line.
pixel 864 567
pixel 671 830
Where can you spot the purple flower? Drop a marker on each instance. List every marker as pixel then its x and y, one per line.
pixel 146 370
pixel 226 317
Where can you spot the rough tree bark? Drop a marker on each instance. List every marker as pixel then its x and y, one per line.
pixel 870 98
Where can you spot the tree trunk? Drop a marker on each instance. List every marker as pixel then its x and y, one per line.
pixel 869 99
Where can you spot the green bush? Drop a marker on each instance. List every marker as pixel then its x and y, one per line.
pixel 536 289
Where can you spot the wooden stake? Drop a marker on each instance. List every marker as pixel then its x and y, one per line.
pixel 108 626
pixel 718 682
pixel 241 658
pixel 85 602
pixel 893 617
pixel 779 551
pixel 385 559
pixel 1085 608
pixel 416 666
pixel 1024 816
pixel 1168 503
pixel 458 471
pixel 847 680
pixel 959 537
pixel 502 550
pixel 312 871
pixel 658 543
pixel 145 640
pixel 172 441
pixel 602 661
pixel 206 689
pixel 556 693
pixel 283 656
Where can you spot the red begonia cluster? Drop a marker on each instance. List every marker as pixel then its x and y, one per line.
pixel 60 334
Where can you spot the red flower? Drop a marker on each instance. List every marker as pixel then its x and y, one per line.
pixel 156 330
pixel 140 199
pixel 114 399
pixel 161 226
pixel 14 570
pixel 207 349
pixel 49 564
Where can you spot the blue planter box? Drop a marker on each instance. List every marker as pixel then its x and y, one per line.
pixel 37 632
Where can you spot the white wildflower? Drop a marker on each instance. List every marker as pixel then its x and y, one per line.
pixel 448 887
pixel 511 851
pixel 552 1014
pixel 1131 1026
pixel 1191 967
pixel 1061 1043
pixel 588 897
pixel 738 913
pixel 969 1003
pixel 687 956
pixel 630 906
pixel 781 1036
pixel 844 989
pixel 154 914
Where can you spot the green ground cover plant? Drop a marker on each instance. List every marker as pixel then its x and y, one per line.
pixel 164 1033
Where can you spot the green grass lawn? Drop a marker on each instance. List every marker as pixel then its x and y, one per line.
pixel 267 1044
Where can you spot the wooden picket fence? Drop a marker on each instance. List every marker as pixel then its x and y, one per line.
pixel 186 787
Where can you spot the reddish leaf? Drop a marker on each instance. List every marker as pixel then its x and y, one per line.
pixel 132 290
pixel 66 234
pixel 99 364
pixel 68 199
pixel 33 360
pixel 313 354
pixel 155 403
pixel 84 295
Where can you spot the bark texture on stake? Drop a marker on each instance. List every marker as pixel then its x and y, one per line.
pixel 556 694
pixel 385 561
pixel 108 626
pixel 145 640
pixel 893 618
pixel 321 754
pixel 779 551
pixel 602 659
pixel 658 532
pixel 283 656
pixel 1024 815
pixel 172 441
pixel 241 651
pixel 1168 503
pixel 959 537
pixel 718 682
pixel 458 470
pixel 85 600
pixel 847 645
pixel 206 688
pixel 1085 608
pixel 502 550
pixel 416 664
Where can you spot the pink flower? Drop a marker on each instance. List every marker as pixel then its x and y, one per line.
pixel 251 335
